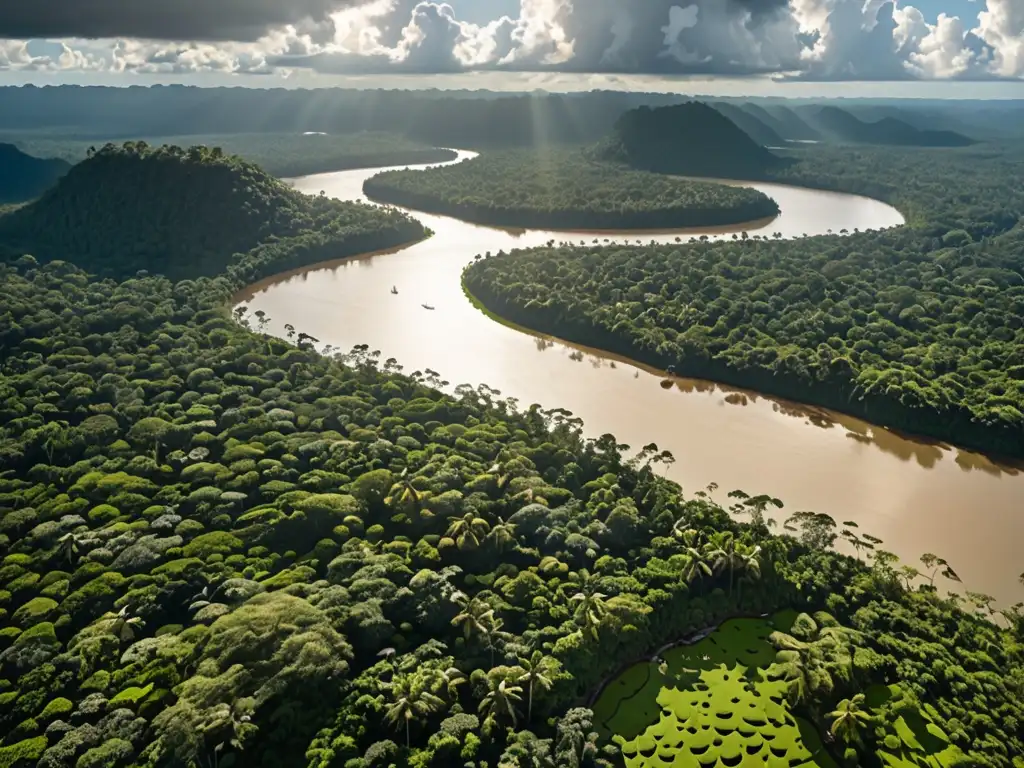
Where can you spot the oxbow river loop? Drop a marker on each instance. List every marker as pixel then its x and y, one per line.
pixel 916 496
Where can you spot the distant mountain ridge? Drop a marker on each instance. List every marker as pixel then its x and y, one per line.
pixel 845 126
pixel 690 139
pixel 23 177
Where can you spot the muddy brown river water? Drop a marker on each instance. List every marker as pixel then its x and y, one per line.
pixel 915 495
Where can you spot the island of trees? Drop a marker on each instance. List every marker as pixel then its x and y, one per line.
pixel 221 548
pixel 917 328
pixel 562 188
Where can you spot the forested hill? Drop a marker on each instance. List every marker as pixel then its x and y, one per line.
pixel 756 128
pixel 185 213
pixel 690 138
pixel 23 176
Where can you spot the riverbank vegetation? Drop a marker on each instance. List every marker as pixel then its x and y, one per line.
pixel 919 328
pixel 183 213
pixel 221 548
pixel 220 544
pixel 563 188
pixel 283 155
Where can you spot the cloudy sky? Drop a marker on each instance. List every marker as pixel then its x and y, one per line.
pixel 467 43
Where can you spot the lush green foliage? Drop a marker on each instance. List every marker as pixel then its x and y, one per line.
pixel 921 328
pixel 183 213
pixel 717 698
pixel 23 177
pixel 229 540
pixel 564 189
pixel 279 154
pixel 735 691
pixel 222 548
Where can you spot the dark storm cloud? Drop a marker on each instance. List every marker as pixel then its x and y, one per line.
pixel 626 36
pixel 201 20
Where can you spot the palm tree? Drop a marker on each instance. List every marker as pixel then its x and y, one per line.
pixel 850 719
pixel 406 492
pixel 590 612
pixel 501 700
pixel 982 603
pixel 476 618
pixel 493 632
pixel 68 547
pixel 467 531
pixel 698 564
pixel 123 625
pixel 537 671
pixel 502 535
pixel 449 680
pixel 855 541
pixel 749 566
pixel 732 556
pixel 410 700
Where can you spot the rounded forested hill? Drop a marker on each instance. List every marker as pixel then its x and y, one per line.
pixel 560 188
pixel 184 213
pixel 284 155
pixel 690 138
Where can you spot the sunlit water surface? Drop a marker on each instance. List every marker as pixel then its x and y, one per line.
pixel 917 496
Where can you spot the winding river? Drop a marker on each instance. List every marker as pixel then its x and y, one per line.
pixel 916 496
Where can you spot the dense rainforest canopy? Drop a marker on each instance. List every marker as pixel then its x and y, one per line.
pixel 220 548
pixel 920 327
pixel 183 213
pixel 565 189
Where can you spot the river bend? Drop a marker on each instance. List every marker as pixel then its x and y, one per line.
pixel 917 496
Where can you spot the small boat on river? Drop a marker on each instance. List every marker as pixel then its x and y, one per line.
pixel 394 290
pixel 427 306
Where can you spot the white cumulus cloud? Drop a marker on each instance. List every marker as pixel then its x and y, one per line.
pixel 805 39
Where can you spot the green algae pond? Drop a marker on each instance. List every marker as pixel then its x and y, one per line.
pixel 712 704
